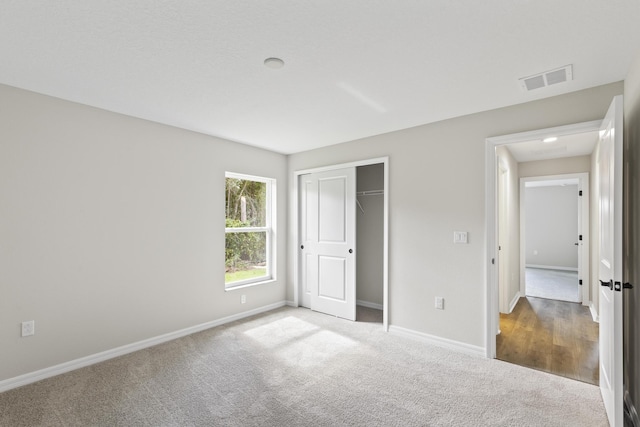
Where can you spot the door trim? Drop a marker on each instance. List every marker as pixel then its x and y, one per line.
pixel 295 211
pixel 492 322
pixel 584 225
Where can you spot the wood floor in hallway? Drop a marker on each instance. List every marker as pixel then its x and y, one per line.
pixel 552 336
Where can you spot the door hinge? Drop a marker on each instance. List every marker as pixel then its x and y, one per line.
pixel 580 237
pixel 580 193
pixel 580 282
pixel 493 260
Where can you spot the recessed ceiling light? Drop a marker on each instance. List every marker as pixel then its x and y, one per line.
pixel 274 63
pixel 550 139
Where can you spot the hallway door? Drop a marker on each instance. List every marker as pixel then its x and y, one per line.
pixel 610 261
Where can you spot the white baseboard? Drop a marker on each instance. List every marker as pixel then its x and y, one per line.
pixel 514 301
pixel 291 304
pixel 369 304
pixel 82 362
pixel 438 341
pixel 551 267
pixel 594 313
pixel 631 408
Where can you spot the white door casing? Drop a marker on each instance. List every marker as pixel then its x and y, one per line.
pixel 609 163
pixel 327 241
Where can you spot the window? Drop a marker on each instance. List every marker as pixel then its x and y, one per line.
pixel 249 234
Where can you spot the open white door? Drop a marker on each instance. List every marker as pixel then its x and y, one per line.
pixel 328 237
pixel 610 262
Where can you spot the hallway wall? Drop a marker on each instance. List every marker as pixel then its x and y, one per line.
pixel 512 256
pixel 551 226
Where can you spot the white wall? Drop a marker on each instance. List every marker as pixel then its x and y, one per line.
pixel 551 226
pixel 112 229
pixel 437 175
pixel 565 165
pixel 370 227
pixel 511 240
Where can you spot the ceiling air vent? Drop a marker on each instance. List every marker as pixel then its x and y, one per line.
pixel 548 78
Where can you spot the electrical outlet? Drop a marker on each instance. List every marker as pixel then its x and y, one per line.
pixel 243 299
pixel 440 303
pixel 28 328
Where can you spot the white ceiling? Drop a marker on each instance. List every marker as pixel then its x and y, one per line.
pixel 353 68
pixel 581 144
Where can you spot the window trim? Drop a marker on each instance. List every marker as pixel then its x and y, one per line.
pixel 269 229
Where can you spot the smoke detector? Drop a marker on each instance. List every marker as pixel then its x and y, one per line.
pixel 547 78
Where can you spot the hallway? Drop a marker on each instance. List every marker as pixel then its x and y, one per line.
pixel 552 336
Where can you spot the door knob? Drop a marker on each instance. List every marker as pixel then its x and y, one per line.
pixel 301 246
pixel 576 244
pixel 350 251
pixel 609 284
pixel 627 286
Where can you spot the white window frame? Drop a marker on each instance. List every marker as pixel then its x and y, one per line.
pixel 269 229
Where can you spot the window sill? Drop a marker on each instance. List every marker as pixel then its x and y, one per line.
pixel 248 285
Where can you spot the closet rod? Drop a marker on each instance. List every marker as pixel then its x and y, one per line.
pixel 370 193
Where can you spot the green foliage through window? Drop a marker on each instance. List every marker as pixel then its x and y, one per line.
pixel 247 230
pixel 246 202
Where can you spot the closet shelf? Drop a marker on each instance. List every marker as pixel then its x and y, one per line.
pixel 370 193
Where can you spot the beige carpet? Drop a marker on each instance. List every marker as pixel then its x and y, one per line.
pixel 553 284
pixel 294 367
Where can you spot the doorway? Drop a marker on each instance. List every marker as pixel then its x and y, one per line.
pixel 555 237
pixel 535 331
pixel 370 208
pixel 528 141
pixel 532 328
pixel 369 241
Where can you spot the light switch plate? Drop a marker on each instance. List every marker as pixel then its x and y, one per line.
pixel 28 328
pixel 460 237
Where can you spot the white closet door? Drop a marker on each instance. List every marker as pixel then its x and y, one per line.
pixel 327 239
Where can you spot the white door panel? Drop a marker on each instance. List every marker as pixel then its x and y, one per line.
pixel 609 170
pixel 332 209
pixel 331 278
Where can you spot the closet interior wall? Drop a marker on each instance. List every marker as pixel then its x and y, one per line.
pixel 370 226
